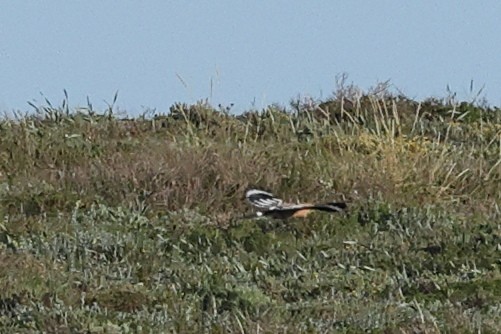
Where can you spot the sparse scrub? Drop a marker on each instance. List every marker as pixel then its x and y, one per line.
pixel 130 225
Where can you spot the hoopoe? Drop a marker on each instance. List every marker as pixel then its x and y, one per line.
pixel 271 206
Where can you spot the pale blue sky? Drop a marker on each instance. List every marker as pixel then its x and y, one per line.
pixel 262 51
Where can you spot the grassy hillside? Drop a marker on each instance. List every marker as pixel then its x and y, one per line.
pixel 132 225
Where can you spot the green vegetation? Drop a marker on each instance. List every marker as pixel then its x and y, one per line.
pixel 132 225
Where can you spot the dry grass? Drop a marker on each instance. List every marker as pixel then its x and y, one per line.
pixel 130 223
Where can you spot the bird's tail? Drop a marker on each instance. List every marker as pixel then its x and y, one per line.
pixel 330 207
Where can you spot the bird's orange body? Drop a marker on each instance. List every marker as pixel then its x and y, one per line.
pixel 301 213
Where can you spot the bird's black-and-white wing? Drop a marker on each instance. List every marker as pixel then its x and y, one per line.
pixel 262 199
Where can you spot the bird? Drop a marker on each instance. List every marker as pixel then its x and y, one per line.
pixel 271 206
